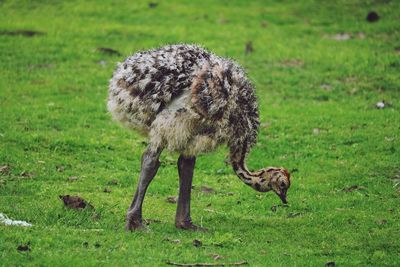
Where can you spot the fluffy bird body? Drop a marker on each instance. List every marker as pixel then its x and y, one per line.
pixel 188 100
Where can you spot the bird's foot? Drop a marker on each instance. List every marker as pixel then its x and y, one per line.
pixel 134 223
pixel 190 226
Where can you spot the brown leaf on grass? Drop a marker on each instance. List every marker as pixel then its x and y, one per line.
pixel 113 182
pixel 264 24
pixel 26 174
pixel 249 48
pixel 175 241
pixel 5 169
pixel 172 199
pixel 223 21
pixel 108 51
pixel 207 190
pixel 197 243
pixel 153 5
pixel 217 256
pixel 60 168
pixel 73 179
pixel 382 222
pixel 149 221
pixel 107 190
pixel 372 17
pixel 353 188
pixel 24 247
pixel 74 202
pixel 341 36
pixel 292 63
pixel 26 33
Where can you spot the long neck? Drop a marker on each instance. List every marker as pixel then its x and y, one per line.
pixel 238 161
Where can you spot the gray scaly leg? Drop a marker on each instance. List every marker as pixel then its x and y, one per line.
pixel 150 164
pixel 185 169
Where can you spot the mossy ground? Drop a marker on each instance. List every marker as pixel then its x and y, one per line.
pixel 317 100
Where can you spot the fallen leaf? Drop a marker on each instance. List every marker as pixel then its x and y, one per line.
pixel 249 48
pixel 172 199
pixel 60 168
pixel 224 21
pixel 74 202
pixel 149 221
pixel 372 16
pixel 108 51
pixel 153 5
pixel 26 174
pixel 26 33
pixel 353 188
pixel 107 190
pixel 382 222
pixel 23 247
pixel 113 182
pixel 207 190
pixel 73 178
pixel 264 24
pixel 175 241
pixel 5 169
pixel 197 243
pixel 217 257
pixel 341 37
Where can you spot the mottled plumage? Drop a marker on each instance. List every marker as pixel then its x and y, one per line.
pixel 188 100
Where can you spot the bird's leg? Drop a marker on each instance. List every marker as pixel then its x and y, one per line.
pixel 148 170
pixel 185 169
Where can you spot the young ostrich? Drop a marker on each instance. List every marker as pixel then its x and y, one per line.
pixel 190 101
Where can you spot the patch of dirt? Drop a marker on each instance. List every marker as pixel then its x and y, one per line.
pixel 74 202
pixel 25 33
pixel 264 24
pixel 108 51
pixel 341 36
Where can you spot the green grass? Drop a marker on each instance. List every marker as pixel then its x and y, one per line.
pixel 53 113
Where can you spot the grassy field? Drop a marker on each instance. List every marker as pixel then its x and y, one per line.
pixel 319 68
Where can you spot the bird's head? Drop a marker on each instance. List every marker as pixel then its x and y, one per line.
pixel 275 179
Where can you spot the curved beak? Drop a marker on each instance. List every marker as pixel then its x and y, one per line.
pixel 282 196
